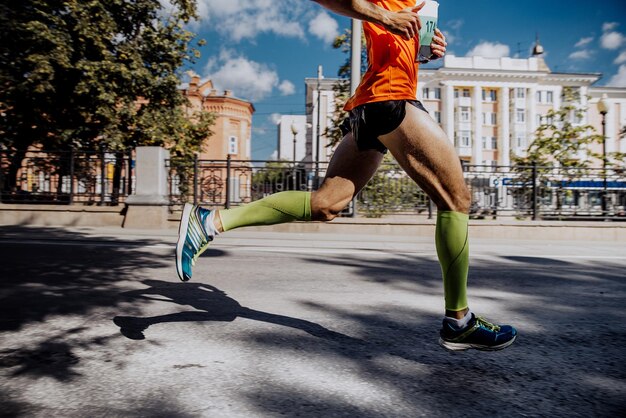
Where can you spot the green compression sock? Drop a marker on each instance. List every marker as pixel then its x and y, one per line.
pixel 453 252
pixel 274 209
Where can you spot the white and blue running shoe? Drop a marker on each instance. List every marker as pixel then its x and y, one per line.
pixel 193 239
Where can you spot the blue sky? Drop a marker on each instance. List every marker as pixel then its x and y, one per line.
pixel 263 49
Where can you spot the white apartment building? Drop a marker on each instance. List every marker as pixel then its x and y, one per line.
pixel 488 107
pixel 320 106
pixel 491 107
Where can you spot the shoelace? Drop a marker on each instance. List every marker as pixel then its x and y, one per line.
pixel 484 323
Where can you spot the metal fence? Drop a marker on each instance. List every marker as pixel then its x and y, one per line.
pixel 531 192
pixel 66 177
pixel 538 192
pixel 106 178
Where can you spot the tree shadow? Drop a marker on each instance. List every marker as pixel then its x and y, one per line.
pixel 569 358
pixel 52 271
pixel 63 277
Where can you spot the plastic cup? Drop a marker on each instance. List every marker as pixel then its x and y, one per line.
pixel 428 17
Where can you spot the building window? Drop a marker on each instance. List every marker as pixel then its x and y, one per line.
pixel 465 114
pixel 437 116
pixel 490 95
pixel 425 92
pixel 538 119
pixel 490 142
pixel 232 145
pixel 520 141
pixel 520 93
pixel 438 93
pixel 539 96
pixel 549 97
pixel 520 116
pixel 464 139
pixel 490 118
pixel 461 93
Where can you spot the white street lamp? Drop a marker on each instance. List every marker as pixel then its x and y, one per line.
pixel 294 131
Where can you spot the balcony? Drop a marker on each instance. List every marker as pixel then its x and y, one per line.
pixel 463 101
pixel 464 151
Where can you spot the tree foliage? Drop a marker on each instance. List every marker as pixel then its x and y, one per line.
pixel 342 87
pixel 85 74
pixel 390 190
pixel 562 141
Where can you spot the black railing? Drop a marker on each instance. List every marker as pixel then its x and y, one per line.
pixel 106 178
pixel 66 177
pixel 531 192
pixel 538 192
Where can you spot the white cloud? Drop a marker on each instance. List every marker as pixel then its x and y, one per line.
pixel 324 27
pixel 275 118
pixel 621 58
pixel 450 37
pixel 583 54
pixel 286 88
pixel 245 19
pixel 455 24
pixel 609 26
pixel 584 42
pixel 619 79
pixel 612 40
pixel 247 79
pixel 452 30
pixel 489 50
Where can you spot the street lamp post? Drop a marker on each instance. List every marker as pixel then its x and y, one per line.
pixel 603 108
pixel 294 131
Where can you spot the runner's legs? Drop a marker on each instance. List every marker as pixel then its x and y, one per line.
pixel 422 149
pixel 348 172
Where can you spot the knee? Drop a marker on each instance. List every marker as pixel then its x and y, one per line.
pixel 462 201
pixel 324 209
pixel 459 201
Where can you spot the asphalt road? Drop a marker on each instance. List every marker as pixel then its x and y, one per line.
pixel 95 323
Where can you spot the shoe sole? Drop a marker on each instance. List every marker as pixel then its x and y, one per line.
pixel 184 224
pixel 464 346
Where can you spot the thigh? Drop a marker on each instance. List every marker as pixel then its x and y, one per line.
pixel 348 172
pixel 423 150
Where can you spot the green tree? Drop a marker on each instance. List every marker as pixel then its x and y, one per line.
pixel 560 141
pixel 86 74
pixel 342 87
pixel 390 190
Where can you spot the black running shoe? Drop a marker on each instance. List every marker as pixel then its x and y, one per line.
pixel 478 334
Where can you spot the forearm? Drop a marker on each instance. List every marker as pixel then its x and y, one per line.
pixel 358 9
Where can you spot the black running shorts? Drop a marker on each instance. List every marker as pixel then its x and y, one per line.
pixel 367 122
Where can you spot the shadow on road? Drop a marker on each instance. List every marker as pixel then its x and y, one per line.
pixel 569 357
pixel 212 304
pixel 49 274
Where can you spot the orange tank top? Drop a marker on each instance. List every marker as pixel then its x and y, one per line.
pixel 392 70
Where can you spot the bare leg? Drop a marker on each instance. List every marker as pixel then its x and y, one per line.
pixel 424 152
pixel 348 172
